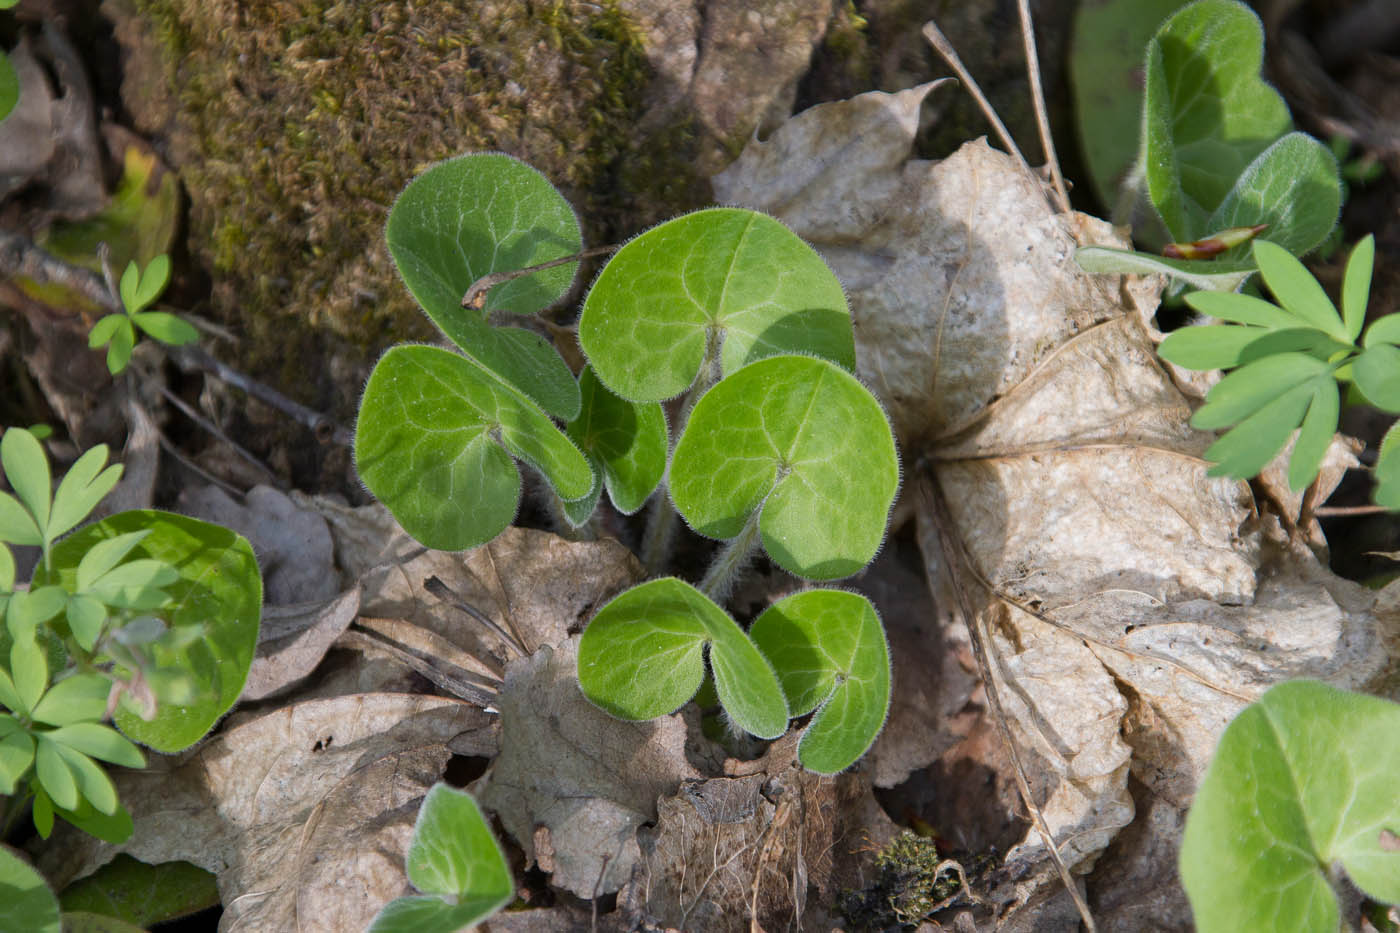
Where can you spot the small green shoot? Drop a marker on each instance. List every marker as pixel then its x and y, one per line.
pixel 1302 785
pixel 1289 355
pixel 117 332
pixel 456 862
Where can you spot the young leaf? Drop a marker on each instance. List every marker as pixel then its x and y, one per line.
pixel 28 903
pixel 9 81
pixel 166 327
pixel 16 755
pixel 1356 285
pixel 103 556
pixel 1319 425
pixel 1302 780
pixel 1209 275
pixel 93 783
pixel 1384 330
pixel 115 828
pixel 53 772
pixel 721 278
pixel 75 699
pixel 434 443
pixel 1296 291
pixel 128 286
pixel 119 350
pixel 626 440
pixel 1377 374
pixel 829 651
pixel 1213 346
pixel 642 656
pixel 1250 445
pixel 474 215
pixel 85 485
pixel 1387 491
pixel 1291 187
pixel 153 282
pixel 1242 309
pixel 802 440
pixel 104 330
pixel 1254 385
pixel 1207 113
pixel 27 469
pixel 218 594
pixel 99 741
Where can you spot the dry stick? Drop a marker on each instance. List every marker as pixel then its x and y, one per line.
pixel 476 295
pixel 20 258
pixel 214 429
pixel 445 593
pixel 941 45
pixel 1348 511
pixel 1042 116
pixel 943 524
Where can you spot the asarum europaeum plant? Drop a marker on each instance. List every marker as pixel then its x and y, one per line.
pixel 778 445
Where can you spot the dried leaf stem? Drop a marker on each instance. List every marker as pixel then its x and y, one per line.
pixel 943 47
pixel 475 297
pixel 953 558
pixel 1042 115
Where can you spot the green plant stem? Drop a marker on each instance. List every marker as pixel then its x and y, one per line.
pixel 731 561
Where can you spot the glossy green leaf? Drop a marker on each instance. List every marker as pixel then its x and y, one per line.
pixel 429 914
pixel 1207 113
pixel 1356 286
pixel 1213 275
pixel 26 903
pixel 99 741
pixel 478 214
pixel 16 757
pixel 142 894
pixel 725 282
pixel 84 485
pixel 434 443
pixel 1213 346
pixel 1251 387
pixel 1387 492
pixel 627 441
pixel 802 440
pixel 9 86
pixel 166 327
pixel 1377 374
pixel 219 590
pixel 1296 291
pixel 1302 780
pixel 829 651
pixel 27 469
pixel 577 512
pixel 642 656
pixel 1250 445
pixel 75 699
pixel 1293 186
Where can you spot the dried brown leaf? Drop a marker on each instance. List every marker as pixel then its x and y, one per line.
pixel 294 639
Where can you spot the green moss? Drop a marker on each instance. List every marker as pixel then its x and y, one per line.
pixel 912 880
pixel 299 121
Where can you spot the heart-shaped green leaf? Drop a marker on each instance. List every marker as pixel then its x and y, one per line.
pixel 432 440
pixel 1293 187
pixel 1207 113
pixel 642 656
pixel 829 651
pixel 479 214
pixel 721 282
pixel 1302 780
pixel 219 590
pixel 627 441
pixel 802 440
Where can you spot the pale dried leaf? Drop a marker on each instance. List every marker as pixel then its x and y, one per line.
pixel 587 779
pixel 294 639
pixel 304 814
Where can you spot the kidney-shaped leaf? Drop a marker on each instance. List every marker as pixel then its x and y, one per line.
pixel 829 650
pixel 642 656
pixel 722 277
pixel 1301 780
pixel 1208 114
pixel 801 439
pixel 474 215
pixel 434 442
pixel 219 589
pixel 626 439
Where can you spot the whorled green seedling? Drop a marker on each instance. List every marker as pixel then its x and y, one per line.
pixel 701 296
pixel 457 864
pixel 643 655
pixel 1216 152
pixel 1288 356
pixel 1302 788
pixel 795 449
pixel 478 214
pixel 829 651
pixel 139 289
pixel 625 443
pixel 435 440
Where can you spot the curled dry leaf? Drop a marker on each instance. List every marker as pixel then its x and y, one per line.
pixel 572 784
pixel 303 814
pixel 294 639
pixel 1133 604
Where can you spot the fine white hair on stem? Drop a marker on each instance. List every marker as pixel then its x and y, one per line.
pixel 1042 115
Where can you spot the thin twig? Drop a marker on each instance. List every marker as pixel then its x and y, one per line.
pixel 445 593
pixel 214 429
pixel 943 524
pixel 1348 511
pixel 475 297
pixel 943 47
pixel 21 258
pixel 1042 116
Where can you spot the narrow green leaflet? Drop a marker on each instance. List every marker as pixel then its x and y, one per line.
pixel 1294 187
pixel 1296 291
pixel 1252 387
pixel 802 440
pixel 1302 780
pixel 1356 285
pixel 1207 113
pixel 434 443
pixel 1377 373
pixel 722 280
pixel 141 894
pixel 475 215
pixel 218 595
pixel 829 651
pixel 626 440
pixel 27 469
pixel 1388 470
pixel 1216 275
pixel 454 855
pixel 642 656
pixel 26 903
